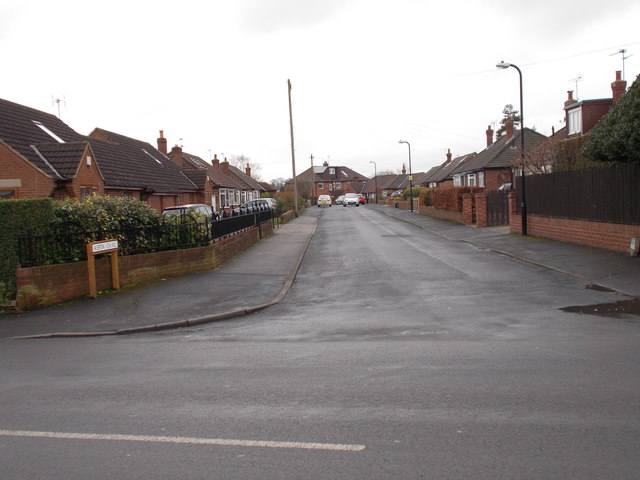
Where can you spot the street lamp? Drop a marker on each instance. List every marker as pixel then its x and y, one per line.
pixel 375 177
pixel 523 205
pixel 410 176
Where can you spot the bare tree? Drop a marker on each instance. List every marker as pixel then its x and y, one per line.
pixel 242 162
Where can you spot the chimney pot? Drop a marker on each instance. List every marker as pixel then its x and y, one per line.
pixel 570 100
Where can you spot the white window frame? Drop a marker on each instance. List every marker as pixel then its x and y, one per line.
pixel 471 180
pixel 574 121
pixel 481 179
pixel 332 171
pixel 337 185
pixel 457 181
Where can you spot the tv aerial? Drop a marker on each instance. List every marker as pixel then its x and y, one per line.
pixel 623 53
pixel 577 79
pixel 58 101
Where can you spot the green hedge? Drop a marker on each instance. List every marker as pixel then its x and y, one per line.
pixel 16 218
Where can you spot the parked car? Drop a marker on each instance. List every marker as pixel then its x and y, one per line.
pixel 192 209
pixel 504 187
pixel 324 201
pixel 339 200
pixel 258 203
pixel 397 193
pixel 361 199
pixel 351 199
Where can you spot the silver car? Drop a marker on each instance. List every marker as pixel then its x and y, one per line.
pixel 351 199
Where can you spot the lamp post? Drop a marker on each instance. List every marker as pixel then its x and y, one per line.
pixel 410 176
pixel 375 177
pixel 523 204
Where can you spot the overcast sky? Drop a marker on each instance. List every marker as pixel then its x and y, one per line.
pixel 365 73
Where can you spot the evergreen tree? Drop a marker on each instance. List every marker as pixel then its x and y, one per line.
pixel 508 113
pixel 616 137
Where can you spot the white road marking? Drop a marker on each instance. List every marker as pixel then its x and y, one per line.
pixel 184 440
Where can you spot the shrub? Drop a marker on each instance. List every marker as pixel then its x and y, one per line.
pixel 425 196
pixel 18 217
pixel 284 201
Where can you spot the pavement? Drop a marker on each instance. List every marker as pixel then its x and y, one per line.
pixel 262 275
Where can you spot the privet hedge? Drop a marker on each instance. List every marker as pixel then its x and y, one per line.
pixel 16 218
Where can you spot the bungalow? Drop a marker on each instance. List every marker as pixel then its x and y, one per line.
pixel 41 156
pixel 491 168
pixel 442 176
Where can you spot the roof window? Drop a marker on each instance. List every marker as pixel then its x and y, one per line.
pixel 47 131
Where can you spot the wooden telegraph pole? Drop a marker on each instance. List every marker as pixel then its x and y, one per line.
pixel 293 154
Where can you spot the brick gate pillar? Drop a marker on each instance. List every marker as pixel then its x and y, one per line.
pixel 481 210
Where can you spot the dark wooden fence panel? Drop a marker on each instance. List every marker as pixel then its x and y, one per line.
pixel 605 195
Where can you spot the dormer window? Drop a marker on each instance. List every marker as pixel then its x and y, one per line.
pixel 332 171
pixel 574 121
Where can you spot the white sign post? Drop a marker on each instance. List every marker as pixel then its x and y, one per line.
pixel 96 248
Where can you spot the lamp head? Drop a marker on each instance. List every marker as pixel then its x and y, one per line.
pixel 503 64
pixel 402 141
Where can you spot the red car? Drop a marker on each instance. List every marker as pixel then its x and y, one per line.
pixel 361 199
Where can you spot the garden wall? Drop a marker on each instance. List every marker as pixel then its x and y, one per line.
pixel 610 236
pixel 53 284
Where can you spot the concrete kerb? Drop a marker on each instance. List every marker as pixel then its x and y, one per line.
pixel 502 252
pixel 198 320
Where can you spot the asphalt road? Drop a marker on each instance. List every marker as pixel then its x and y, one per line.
pixel 397 354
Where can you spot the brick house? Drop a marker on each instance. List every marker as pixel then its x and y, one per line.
pixel 582 116
pixel 328 180
pixel 492 167
pixel 442 175
pixel 41 156
pixel 36 162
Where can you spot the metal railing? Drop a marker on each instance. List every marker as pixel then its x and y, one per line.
pixel 67 243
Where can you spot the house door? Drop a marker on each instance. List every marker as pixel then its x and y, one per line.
pixel 497 208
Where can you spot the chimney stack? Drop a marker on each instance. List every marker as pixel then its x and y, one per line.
pixel 215 162
pixel 404 170
pixel 248 170
pixel 489 133
pixel 510 128
pixel 162 143
pixel 570 99
pixel 618 87
pixel 448 155
pixel 225 166
pixel 176 156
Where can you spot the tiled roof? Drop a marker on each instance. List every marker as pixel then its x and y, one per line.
pixel 446 170
pixel 127 162
pixel 198 177
pixel 123 161
pixel 250 183
pixel 63 157
pixel 19 130
pixel 501 153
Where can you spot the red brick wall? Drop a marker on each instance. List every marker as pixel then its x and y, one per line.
pixel 494 178
pixel 610 236
pixel 87 176
pixel 53 284
pixel 438 213
pixel 34 183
